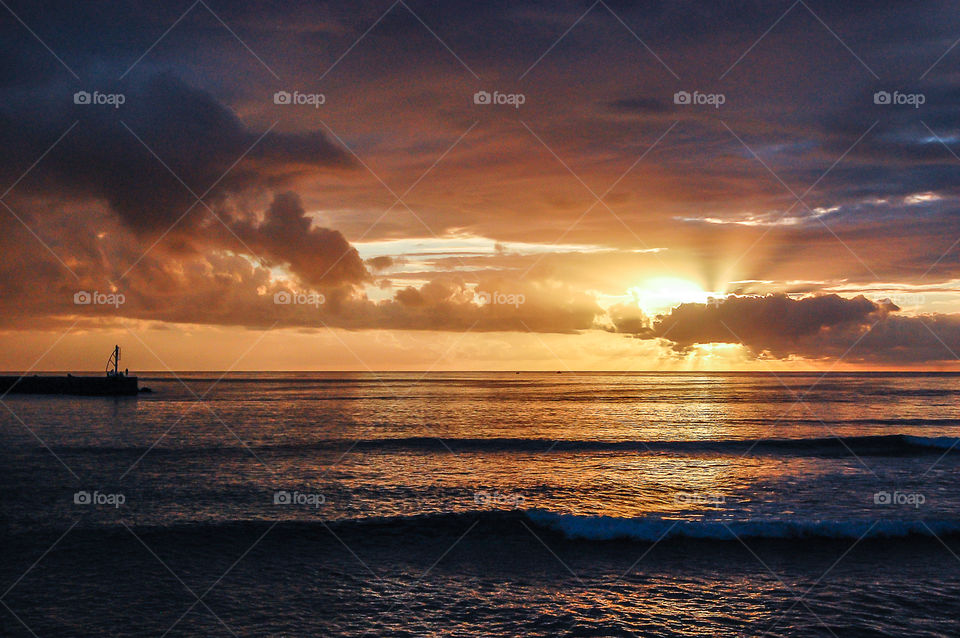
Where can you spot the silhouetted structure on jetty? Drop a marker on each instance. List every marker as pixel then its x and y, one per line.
pixel 115 383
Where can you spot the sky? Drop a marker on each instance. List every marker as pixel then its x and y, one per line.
pixel 480 186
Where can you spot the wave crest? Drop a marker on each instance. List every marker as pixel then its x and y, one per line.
pixel 877 445
pixel 501 524
pixel 652 529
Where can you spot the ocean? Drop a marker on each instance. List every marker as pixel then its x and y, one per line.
pixel 485 504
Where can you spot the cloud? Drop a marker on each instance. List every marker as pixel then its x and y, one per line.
pixel 628 319
pixel 770 323
pixel 200 146
pixel 286 236
pixel 381 263
pixel 495 304
pixel 818 327
pixel 219 287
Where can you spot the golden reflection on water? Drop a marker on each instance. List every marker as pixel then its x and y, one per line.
pixel 581 483
pixel 306 432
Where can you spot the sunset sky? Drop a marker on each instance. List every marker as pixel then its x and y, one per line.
pixel 800 212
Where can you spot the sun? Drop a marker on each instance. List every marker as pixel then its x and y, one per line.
pixel 659 294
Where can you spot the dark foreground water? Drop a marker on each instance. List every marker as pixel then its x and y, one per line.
pixel 485 504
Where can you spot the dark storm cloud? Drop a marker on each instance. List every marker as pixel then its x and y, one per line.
pixel 190 132
pixel 768 323
pixel 197 140
pixel 909 148
pixel 286 235
pixel 818 327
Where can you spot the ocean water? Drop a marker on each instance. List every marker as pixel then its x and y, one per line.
pixel 487 504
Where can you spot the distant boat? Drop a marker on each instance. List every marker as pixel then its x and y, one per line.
pixel 114 383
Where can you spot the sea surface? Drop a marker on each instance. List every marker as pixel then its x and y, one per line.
pixel 485 504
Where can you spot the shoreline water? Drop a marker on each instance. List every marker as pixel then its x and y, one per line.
pixel 487 504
